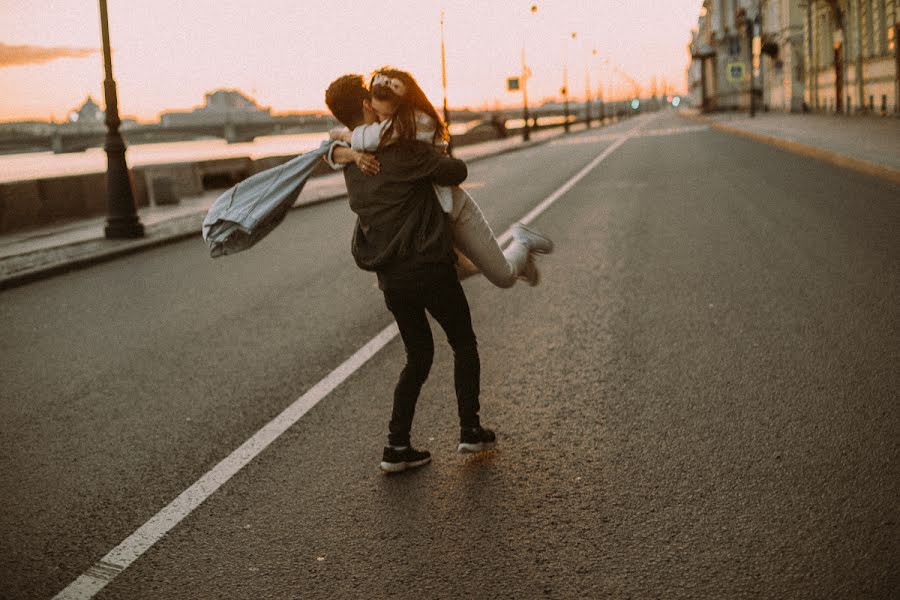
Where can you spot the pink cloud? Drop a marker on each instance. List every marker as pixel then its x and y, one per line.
pixel 11 56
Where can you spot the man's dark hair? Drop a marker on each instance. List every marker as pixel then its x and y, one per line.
pixel 344 98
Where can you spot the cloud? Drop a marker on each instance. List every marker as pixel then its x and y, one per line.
pixel 11 56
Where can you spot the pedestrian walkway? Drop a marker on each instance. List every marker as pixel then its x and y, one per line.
pixel 37 253
pixel 869 144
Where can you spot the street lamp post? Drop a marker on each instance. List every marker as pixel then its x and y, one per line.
pixel 604 74
pixel 587 99
pixel 565 87
pixel 444 84
pixel 565 91
pixel 122 220
pixel 587 89
pixel 526 130
pixel 752 83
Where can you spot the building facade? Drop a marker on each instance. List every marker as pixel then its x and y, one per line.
pixel 722 47
pixel 782 76
pixel 854 63
pixel 838 56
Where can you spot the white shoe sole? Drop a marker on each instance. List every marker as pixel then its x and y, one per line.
pixel 548 243
pixel 402 466
pixel 471 448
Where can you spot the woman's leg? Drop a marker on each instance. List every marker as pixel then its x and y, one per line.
pixel 474 237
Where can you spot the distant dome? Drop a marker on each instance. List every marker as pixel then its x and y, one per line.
pixel 88 112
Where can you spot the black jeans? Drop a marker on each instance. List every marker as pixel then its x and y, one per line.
pixel 438 291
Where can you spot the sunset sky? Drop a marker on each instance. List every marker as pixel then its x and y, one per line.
pixel 168 53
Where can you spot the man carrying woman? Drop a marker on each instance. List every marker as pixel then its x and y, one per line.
pixel 404 235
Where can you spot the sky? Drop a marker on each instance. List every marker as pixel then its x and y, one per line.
pixel 168 53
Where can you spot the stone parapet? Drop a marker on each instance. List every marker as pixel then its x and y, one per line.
pixel 42 202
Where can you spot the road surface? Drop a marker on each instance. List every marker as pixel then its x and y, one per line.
pixel 699 401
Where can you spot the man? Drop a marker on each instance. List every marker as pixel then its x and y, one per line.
pixel 403 236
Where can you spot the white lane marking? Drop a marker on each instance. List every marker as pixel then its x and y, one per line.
pixel 122 556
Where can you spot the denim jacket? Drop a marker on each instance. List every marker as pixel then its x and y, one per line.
pixel 247 212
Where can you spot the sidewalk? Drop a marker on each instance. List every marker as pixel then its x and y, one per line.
pixel 38 253
pixel 868 144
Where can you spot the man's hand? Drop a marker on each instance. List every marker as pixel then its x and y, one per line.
pixel 367 163
pixel 340 133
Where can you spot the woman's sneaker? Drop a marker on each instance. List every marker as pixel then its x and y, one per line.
pixel 537 243
pixel 394 460
pixel 476 439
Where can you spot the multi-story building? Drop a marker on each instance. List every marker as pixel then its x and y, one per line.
pixel 781 66
pixel 697 94
pixel 722 46
pixel 837 56
pixel 852 53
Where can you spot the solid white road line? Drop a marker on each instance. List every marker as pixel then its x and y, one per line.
pixel 122 556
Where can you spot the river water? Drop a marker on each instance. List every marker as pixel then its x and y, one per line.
pixel 35 165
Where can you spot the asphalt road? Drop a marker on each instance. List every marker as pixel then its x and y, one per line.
pixel 699 401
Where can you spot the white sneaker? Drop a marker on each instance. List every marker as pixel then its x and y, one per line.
pixel 530 272
pixel 536 242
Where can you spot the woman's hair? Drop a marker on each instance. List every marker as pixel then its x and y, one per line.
pixel 400 87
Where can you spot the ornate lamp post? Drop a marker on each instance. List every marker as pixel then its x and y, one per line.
pixel 444 85
pixel 565 86
pixel 587 88
pixel 526 73
pixel 121 220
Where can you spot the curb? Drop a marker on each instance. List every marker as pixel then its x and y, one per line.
pixel 30 275
pixel 828 156
pixel 46 271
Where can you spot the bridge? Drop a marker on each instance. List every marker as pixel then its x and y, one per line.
pixel 79 138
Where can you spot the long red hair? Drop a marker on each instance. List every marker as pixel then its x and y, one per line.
pixel 403 124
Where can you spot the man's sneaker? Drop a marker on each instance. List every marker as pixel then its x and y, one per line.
pixel 536 242
pixel 530 272
pixel 476 439
pixel 394 460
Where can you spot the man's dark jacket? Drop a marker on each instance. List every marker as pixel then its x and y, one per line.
pixel 401 230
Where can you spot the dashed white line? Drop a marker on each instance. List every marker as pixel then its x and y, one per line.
pixel 122 556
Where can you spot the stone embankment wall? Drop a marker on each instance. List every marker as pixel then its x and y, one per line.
pixel 41 202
